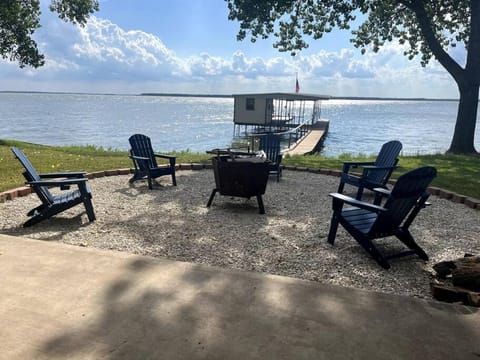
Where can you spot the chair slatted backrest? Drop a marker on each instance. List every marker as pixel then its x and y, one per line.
pixel 387 157
pixel 409 189
pixel 142 146
pixel 270 144
pixel 31 174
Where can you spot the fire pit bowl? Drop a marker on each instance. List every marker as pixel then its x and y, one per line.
pixel 240 177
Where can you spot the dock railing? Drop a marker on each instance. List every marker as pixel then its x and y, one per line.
pixel 291 135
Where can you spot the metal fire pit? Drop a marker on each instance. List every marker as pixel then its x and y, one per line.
pixel 240 177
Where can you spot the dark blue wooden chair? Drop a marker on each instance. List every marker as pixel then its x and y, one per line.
pixel 374 174
pixel 270 144
pixel 54 204
pixel 367 222
pixel 145 163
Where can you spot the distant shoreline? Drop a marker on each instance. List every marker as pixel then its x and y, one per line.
pixel 376 98
pixel 331 98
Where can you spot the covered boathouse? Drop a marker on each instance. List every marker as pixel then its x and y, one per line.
pixel 296 117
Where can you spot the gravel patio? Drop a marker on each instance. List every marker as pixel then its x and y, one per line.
pixel 290 239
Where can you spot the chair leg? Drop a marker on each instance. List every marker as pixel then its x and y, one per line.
pixel 372 250
pixel 211 197
pixel 260 204
pixel 332 233
pixel 150 182
pixel 407 238
pixel 89 207
pixel 174 179
pixel 359 193
pixel 35 219
pixel 36 210
pixel 136 176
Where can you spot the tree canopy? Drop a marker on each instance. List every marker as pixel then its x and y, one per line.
pixel 428 29
pixel 20 18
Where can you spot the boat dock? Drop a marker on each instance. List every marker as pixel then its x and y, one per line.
pixel 295 117
pixel 310 141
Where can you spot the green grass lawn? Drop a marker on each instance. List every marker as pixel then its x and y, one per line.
pixel 457 173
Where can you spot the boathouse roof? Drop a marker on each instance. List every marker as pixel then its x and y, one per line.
pixel 286 96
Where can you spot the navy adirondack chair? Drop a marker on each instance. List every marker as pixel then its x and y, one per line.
pixel 270 144
pixel 144 160
pixel 375 174
pixel 54 204
pixel 367 222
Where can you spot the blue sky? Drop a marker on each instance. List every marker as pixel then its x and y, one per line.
pixel 190 46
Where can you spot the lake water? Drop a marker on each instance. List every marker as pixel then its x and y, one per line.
pixel 199 124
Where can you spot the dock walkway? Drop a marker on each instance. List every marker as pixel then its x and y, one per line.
pixel 308 143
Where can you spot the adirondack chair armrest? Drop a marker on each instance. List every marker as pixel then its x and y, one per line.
pixel 380 194
pixel 421 204
pixel 340 199
pixel 77 174
pixel 354 164
pixel 171 159
pixel 165 156
pixel 423 200
pixel 382 191
pixel 138 158
pixel 367 170
pixel 378 168
pixel 59 183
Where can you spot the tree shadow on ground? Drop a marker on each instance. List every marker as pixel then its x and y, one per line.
pixel 165 310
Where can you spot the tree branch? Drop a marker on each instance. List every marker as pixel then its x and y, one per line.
pixel 441 55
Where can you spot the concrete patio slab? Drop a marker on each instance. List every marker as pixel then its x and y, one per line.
pixel 66 302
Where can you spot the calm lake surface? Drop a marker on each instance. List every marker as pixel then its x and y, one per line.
pixel 200 124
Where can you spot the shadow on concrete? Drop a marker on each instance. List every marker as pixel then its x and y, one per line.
pixel 165 310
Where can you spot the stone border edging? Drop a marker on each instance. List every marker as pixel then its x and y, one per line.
pixel 444 194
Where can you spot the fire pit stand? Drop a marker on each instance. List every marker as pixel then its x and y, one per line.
pixel 239 174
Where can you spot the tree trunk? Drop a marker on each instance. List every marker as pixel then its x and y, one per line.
pixel 464 134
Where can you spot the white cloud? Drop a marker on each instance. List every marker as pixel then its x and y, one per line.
pixel 102 57
pixel 332 64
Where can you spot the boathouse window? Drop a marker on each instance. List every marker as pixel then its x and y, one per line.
pixel 250 105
